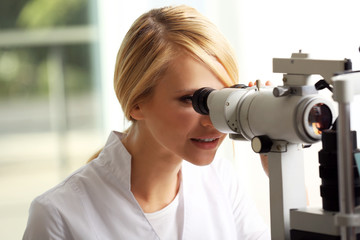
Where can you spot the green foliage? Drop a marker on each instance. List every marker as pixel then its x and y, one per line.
pixel 9 12
pixel 78 70
pixel 47 13
pixel 24 71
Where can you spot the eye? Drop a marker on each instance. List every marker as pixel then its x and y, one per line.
pixel 186 99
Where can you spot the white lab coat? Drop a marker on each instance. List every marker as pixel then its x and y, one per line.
pixel 95 202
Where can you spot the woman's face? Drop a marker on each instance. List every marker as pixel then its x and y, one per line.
pixel 172 125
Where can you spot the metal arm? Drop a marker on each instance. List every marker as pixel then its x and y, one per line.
pixel 345 87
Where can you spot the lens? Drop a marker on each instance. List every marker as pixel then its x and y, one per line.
pixel 314 114
pixel 320 118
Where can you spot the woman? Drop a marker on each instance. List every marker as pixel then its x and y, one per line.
pixel 159 180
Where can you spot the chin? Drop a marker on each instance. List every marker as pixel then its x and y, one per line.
pixel 204 161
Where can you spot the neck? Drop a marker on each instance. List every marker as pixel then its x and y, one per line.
pixel 155 173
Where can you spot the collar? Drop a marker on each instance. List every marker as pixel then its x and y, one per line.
pixel 117 160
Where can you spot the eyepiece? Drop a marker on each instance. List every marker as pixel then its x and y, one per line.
pixel 199 100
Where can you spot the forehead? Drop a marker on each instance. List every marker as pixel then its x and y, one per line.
pixel 185 72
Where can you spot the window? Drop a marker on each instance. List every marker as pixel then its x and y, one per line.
pixel 50 96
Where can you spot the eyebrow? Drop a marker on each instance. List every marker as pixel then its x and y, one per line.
pixel 187 90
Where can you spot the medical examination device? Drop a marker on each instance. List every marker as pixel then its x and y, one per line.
pixel 280 122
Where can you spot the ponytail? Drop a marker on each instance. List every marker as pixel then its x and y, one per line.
pixel 95 155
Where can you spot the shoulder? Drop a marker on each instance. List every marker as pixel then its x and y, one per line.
pixel 56 213
pixel 44 219
pixel 63 194
pixel 108 169
pixel 75 203
pixel 65 190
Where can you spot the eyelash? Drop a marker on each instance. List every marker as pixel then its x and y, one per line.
pixel 186 99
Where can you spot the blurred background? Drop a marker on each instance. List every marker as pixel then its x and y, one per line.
pixel 57 104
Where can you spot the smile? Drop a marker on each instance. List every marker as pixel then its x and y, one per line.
pixel 204 140
pixel 206 143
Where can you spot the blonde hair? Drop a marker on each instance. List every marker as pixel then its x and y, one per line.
pixel 154 40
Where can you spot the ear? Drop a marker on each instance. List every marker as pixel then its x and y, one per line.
pixel 136 113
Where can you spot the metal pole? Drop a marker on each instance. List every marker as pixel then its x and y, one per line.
pixel 287 186
pixel 345 169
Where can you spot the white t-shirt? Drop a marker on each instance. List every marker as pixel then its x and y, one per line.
pixel 96 202
pixel 168 222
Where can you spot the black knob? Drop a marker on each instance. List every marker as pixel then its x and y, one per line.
pixel 261 144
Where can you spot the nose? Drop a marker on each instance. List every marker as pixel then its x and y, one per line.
pixel 205 121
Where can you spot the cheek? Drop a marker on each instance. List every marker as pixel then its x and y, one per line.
pixel 181 119
pixel 174 122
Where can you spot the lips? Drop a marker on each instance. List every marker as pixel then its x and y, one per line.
pixel 204 140
pixel 208 143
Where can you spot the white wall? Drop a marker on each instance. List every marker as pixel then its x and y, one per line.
pixel 268 29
